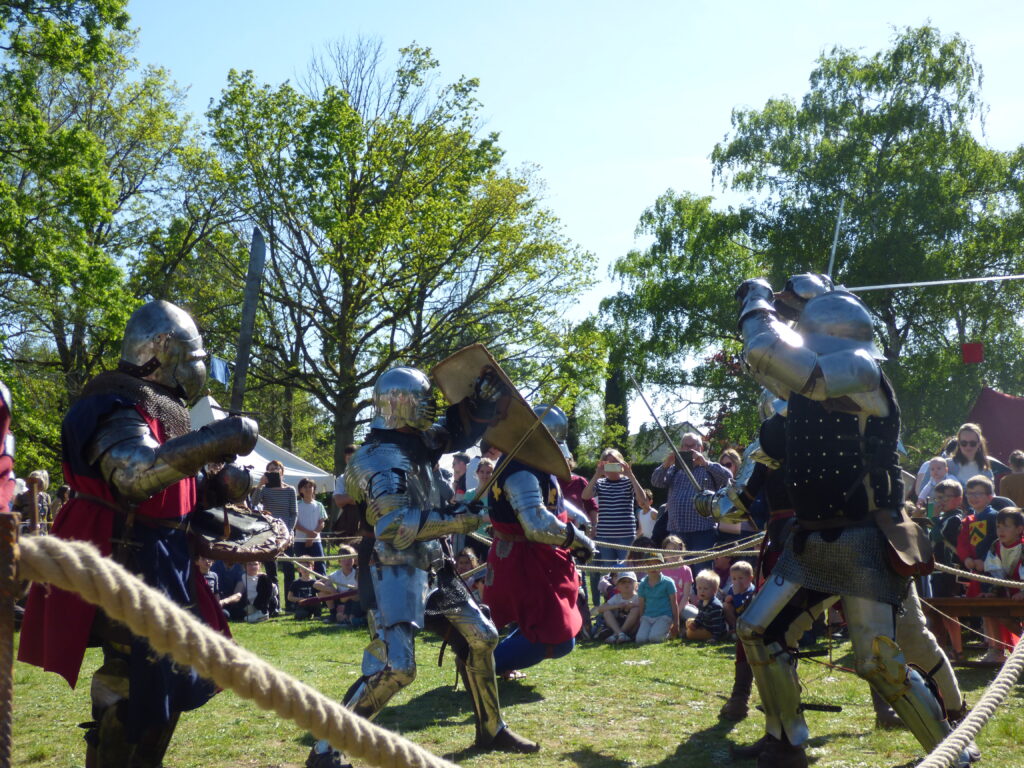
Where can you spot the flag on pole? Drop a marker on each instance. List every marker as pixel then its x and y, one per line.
pixel 219 370
pixel 973 352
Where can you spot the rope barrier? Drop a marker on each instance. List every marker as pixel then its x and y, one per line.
pixel 716 550
pixel 948 752
pixel 735 549
pixel 79 567
pixel 980 577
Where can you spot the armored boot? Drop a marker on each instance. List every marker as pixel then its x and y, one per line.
pixel 749 752
pixel 735 708
pixel 152 746
pixel 779 753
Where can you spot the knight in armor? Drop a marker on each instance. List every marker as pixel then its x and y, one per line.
pixel 842 474
pixel 392 477
pixel 531 577
pixel 761 482
pixel 130 457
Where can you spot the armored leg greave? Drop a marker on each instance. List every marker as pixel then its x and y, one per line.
pixel 922 650
pixel 389 664
pixel 473 640
pixel 881 663
pixel 773 667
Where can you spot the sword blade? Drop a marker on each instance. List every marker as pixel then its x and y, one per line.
pixel 679 457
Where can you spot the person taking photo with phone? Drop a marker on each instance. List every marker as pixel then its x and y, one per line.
pixel 617 493
pixel 682 519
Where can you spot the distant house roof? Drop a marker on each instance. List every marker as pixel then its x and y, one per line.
pixel 648 444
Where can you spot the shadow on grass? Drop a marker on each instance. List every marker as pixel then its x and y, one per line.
pixel 591 758
pixel 444 705
pixel 707 746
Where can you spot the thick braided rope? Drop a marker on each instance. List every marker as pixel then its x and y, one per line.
pixel 79 567
pixel 973 576
pixel 948 752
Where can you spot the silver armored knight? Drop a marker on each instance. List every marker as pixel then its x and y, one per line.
pixel 131 460
pixel 393 476
pixel 844 482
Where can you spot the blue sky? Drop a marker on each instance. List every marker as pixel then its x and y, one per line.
pixel 613 102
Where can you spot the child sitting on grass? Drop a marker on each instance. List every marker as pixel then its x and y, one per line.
pixel 681 575
pixel 302 588
pixel 345 610
pixel 622 611
pixel 709 624
pixel 659 611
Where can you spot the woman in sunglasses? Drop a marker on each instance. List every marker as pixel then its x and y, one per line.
pixel 971 457
pixel 730 459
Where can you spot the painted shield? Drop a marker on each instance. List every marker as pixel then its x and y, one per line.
pixel 455 377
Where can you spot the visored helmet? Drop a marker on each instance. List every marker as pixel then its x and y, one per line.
pixel 403 397
pixel 557 422
pixel 838 321
pixel 162 344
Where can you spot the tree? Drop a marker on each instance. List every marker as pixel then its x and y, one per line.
pixel 892 136
pixel 82 219
pixel 674 320
pixel 396 234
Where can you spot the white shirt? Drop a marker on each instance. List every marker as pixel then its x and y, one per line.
pixel 344 581
pixel 310 513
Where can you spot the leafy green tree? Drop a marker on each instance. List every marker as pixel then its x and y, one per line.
pixel 673 322
pixel 892 136
pixel 68 251
pixel 396 236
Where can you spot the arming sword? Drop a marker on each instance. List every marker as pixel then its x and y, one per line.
pixel 704 497
pixel 257 258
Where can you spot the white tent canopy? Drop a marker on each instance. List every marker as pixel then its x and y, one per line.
pixel 207 410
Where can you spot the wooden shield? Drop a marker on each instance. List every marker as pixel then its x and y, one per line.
pixel 456 375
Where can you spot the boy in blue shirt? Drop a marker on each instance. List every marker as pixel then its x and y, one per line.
pixel 741 590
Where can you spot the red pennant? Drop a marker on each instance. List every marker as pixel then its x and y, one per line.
pixel 973 352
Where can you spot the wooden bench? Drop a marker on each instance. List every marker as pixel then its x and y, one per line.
pixel 975 606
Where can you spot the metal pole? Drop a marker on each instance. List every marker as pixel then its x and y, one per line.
pixel 835 237
pixel 35 485
pixel 257 259
pixel 926 283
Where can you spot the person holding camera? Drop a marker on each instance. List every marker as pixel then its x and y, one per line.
pixel 617 493
pixel 279 500
pixel 697 532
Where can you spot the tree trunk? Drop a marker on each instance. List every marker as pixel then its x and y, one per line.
pixel 344 431
pixel 287 418
pixel 616 405
pixel 572 439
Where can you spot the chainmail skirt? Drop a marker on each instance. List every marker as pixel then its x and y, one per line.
pixel 854 564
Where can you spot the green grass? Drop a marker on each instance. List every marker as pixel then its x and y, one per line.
pixel 599 707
